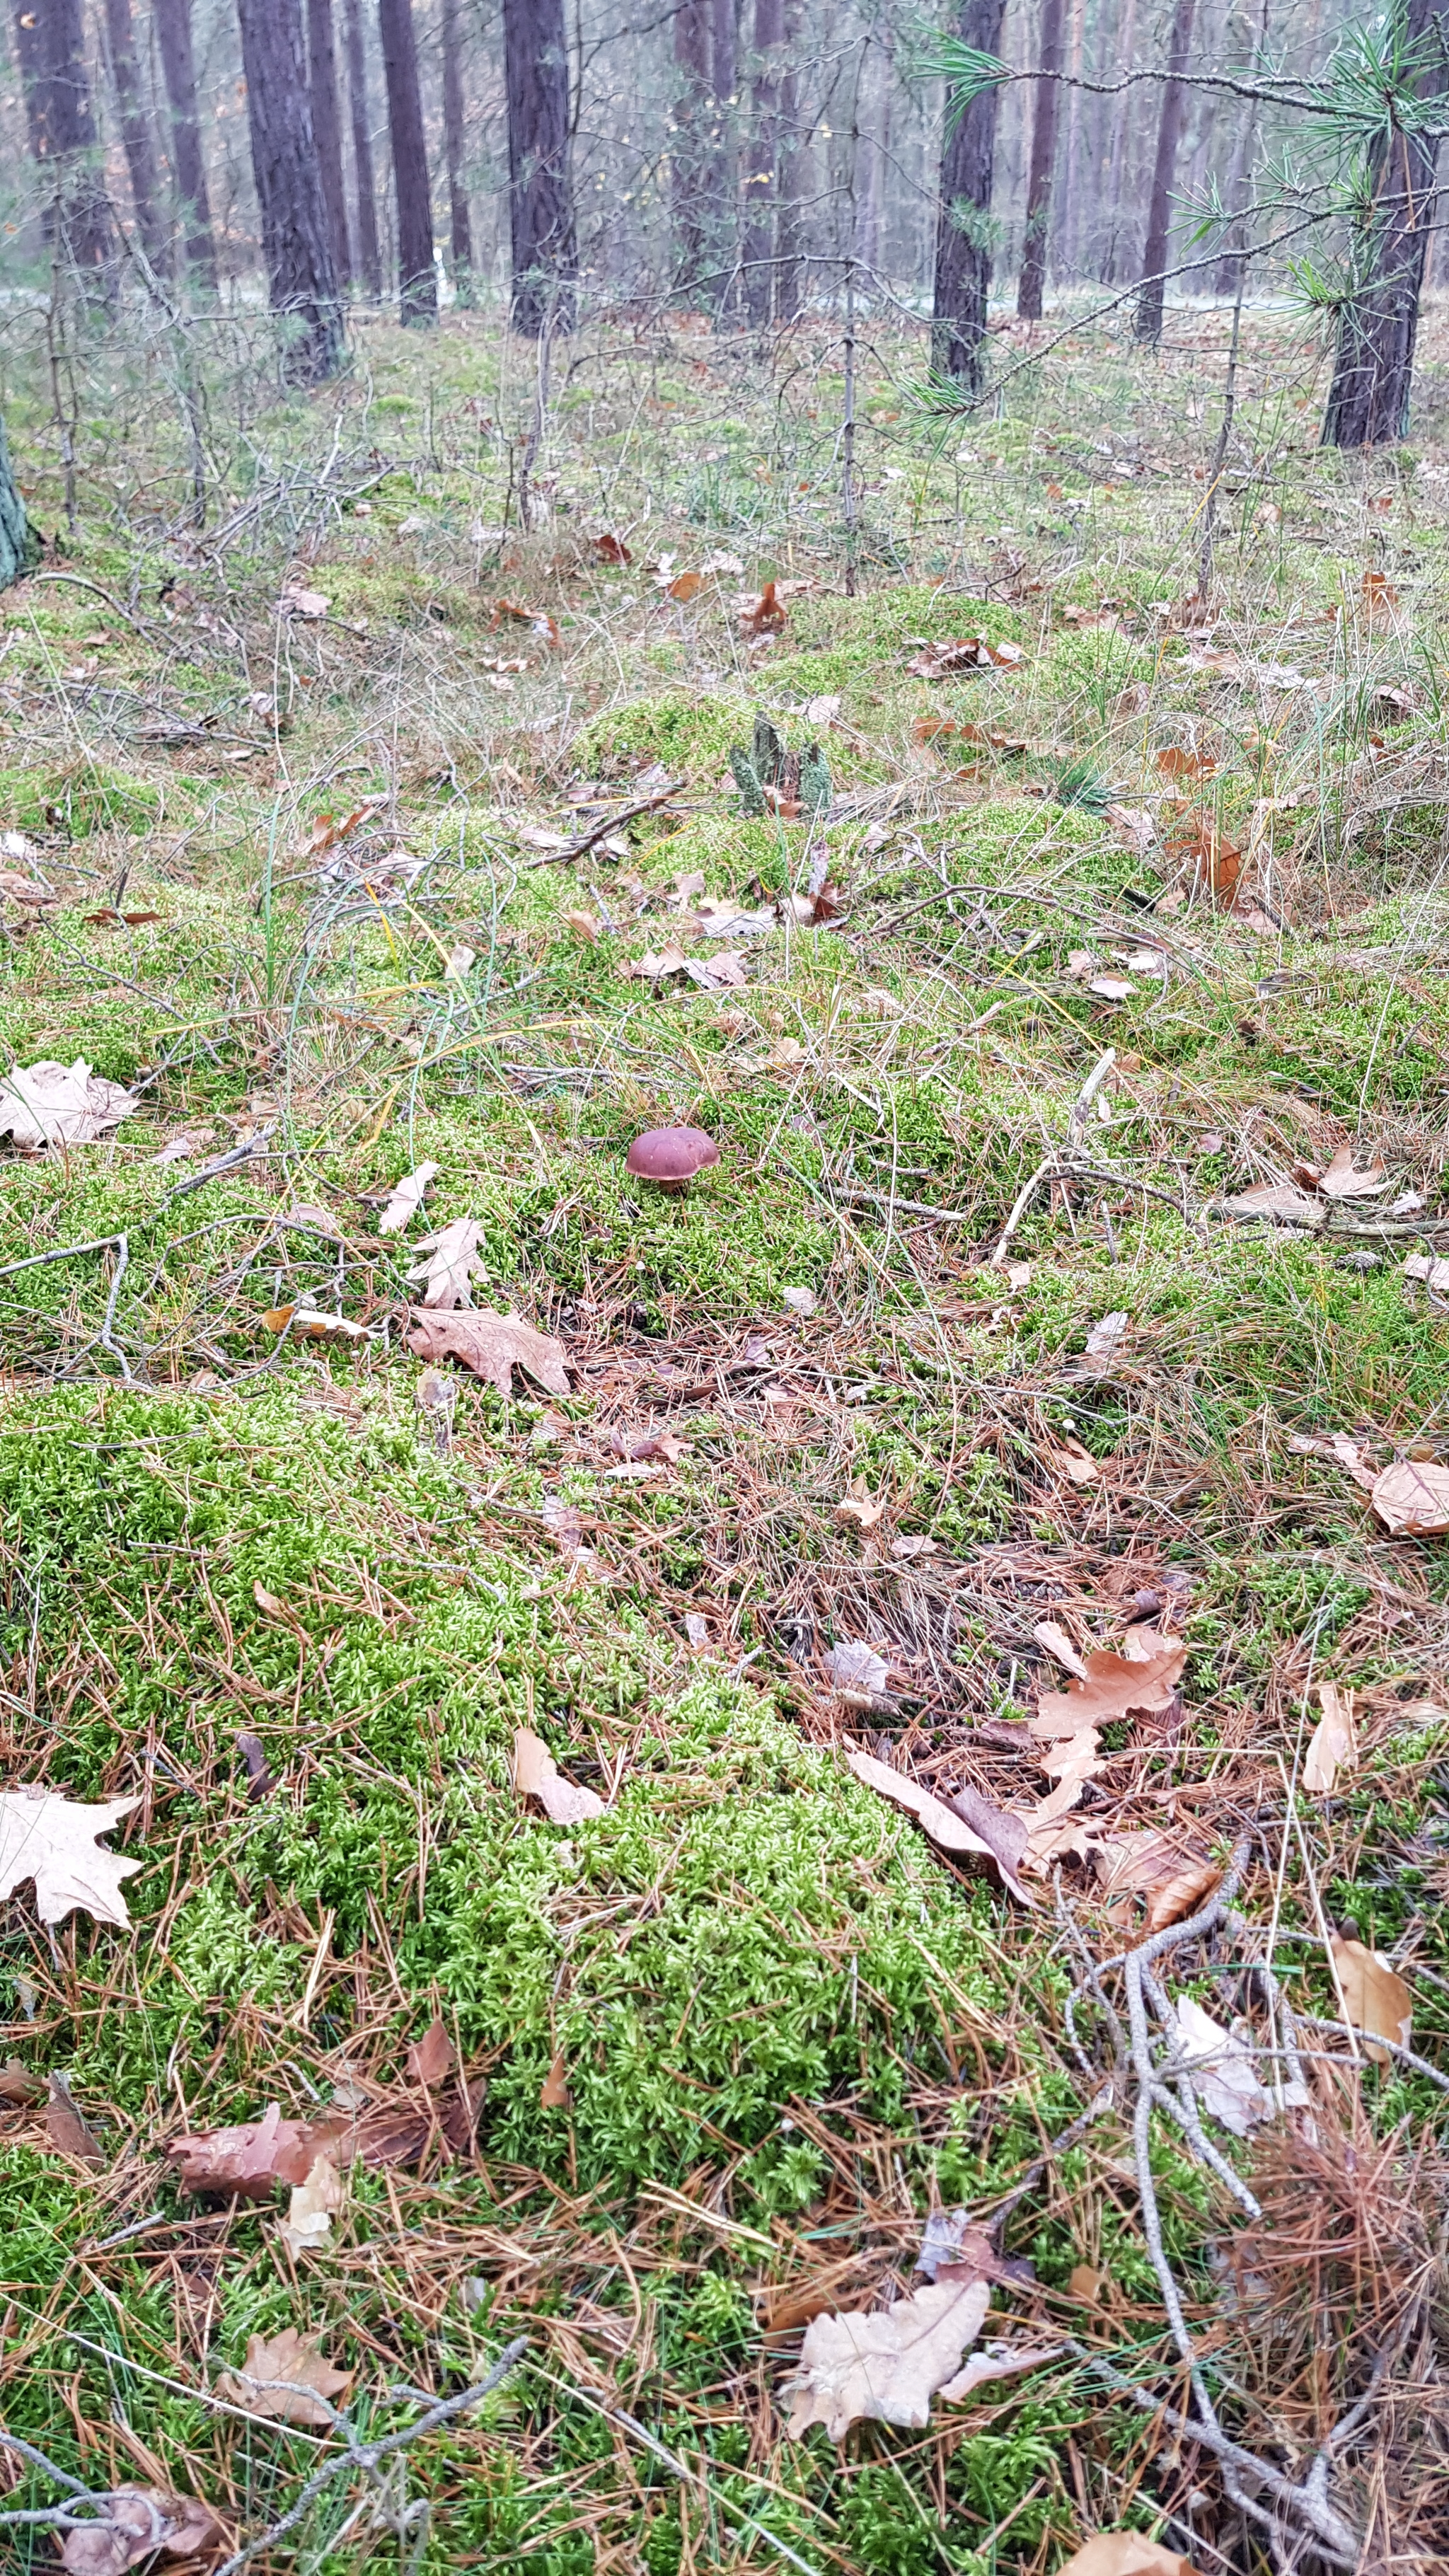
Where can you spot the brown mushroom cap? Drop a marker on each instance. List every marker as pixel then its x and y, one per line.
pixel 671 1153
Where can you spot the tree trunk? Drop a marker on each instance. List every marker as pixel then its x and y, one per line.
pixel 136 135
pixel 173 31
pixel 296 241
pixel 540 182
pixel 63 137
pixel 369 255
pixel 18 548
pixel 761 188
pixel 793 162
pixel 691 148
pixel 327 128
pixel 1147 323
pixel 417 275
pixel 1373 368
pixel 455 154
pixel 30 63
pixel 963 239
pixel 724 175
pixel 1043 155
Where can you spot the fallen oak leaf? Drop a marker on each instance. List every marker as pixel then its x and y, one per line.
pixel 1113 1687
pixel 1280 1201
pixel 885 2368
pixel 285 2376
pixel 1173 1880
pixel 944 1826
pixel 314 2205
pixel 450 1264
pixel 406 1199
pixel 1375 1997
pixel 1126 2553
pixel 44 1837
pixel 996 2361
pixel 132 2523
pixel 492 1345
pixel 1341 1181
pixel 60 1104
pixel 433 2057
pixel 536 1775
pixel 248 2161
pixel 1412 1498
pixel 1333 1745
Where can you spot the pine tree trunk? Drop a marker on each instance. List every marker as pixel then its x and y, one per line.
pixel 762 177
pixel 1118 152
pixel 1147 323
pixel 1043 154
pixel 724 164
pixel 178 70
pixel 296 241
pixel 963 239
pixel 136 135
pixel 793 164
pixel 540 183
pixel 455 153
pixel 691 150
pixel 63 134
pixel 18 548
pixel 417 275
pixel 369 254
pixel 327 128
pixel 1373 367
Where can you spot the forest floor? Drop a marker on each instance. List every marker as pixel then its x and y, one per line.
pixel 1070 1284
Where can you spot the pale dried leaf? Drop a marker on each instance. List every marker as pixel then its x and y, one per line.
pixel 1341 1181
pixel 285 2376
pixel 554 2092
pixel 450 1265
pixel 431 2059
pixel 1111 988
pixel 406 1199
pixel 854 1666
pixel 1375 1996
pixel 1126 2553
pixel 314 2205
pixel 1174 1880
pixel 1075 1461
pixel 132 2523
pixel 1412 1498
pixel 1346 1451
pixel 915 1546
pixel 297 602
pixel 1114 1687
pixel 1435 1274
pixel 1222 2069
pixel 67 2128
pixel 884 2368
pixel 860 1511
pixel 492 1345
pixel 1333 1745
pixel 45 1838
pixel 945 1827
pixel 60 1104
pixel 656 963
pixel 996 2361
pixel 536 1775
pixel 584 925
pixel 1058 1643
pixel 1279 1200
pixel 1106 1337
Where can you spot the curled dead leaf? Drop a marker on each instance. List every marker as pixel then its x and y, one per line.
pixel 285 2376
pixel 536 1775
pixel 945 1825
pixel 1333 1745
pixel 132 2523
pixel 1412 1498
pixel 1375 1997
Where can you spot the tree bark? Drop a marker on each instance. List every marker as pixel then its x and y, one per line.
pixel 762 176
pixel 1373 368
pixel 724 223
pixel 18 548
pixel 1043 155
pixel 416 273
pixel 792 166
pixel 63 139
pixel 327 128
pixel 296 241
pixel 369 254
pixel 1117 158
pixel 1147 323
pixel 136 135
pixel 540 181
pixel 691 144
pixel 178 70
pixel 963 239
pixel 455 154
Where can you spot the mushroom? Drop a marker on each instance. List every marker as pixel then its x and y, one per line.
pixel 670 1156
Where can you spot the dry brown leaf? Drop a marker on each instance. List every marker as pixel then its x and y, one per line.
pixel 1126 2553
pixel 492 1345
pixel 1075 1461
pixel 536 1775
pixel 297 602
pixel 554 2092
pixel 885 2368
pixel 1058 1643
pixel 1333 1745
pixel 60 1104
pixel 450 1264
pixel 996 2361
pixel 685 586
pixel 1412 1498
pixel 1278 1200
pixel 1086 2284
pixel 67 2127
pixel 609 549
pixel 855 1668
pixel 942 1823
pixel 943 659
pixel 1341 1181
pixel 431 2059
pixel 859 1509
pixel 46 1838
pixel 313 2206
pixel 1375 1997
pixel 18 2087
pixel 584 925
pixel 406 1199
pixel 308 1325
pixel 134 2522
pixel 1115 1687
pixel 286 2377
pixel 1173 1879
pixel 247 2162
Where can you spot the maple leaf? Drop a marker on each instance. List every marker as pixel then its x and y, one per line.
pixel 493 1346
pixel 60 1104
pixel 131 2523
pixel 45 1838
pixel 451 1264
pixel 536 1775
pixel 885 2367
pixel 285 2376
pixel 406 1199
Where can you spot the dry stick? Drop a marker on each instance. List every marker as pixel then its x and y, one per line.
pixel 586 841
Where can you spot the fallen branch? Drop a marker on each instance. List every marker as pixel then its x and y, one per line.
pixel 586 841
